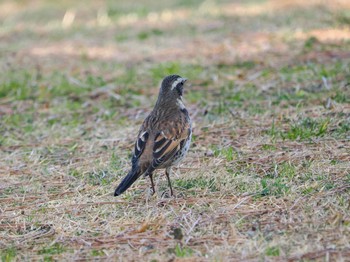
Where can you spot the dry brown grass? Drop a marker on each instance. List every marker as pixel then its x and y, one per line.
pixel 267 177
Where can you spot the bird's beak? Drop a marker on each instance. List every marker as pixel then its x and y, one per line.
pixel 184 80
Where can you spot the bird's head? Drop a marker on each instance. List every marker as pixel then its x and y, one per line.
pixel 171 89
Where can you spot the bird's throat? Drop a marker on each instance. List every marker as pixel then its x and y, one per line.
pixel 180 103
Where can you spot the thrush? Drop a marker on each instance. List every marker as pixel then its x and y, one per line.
pixel 164 137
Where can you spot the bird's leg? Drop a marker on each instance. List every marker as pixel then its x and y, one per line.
pixel 152 184
pixel 167 173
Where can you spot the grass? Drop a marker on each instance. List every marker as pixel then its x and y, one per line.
pixel 181 251
pixel 8 254
pixel 267 175
pixel 52 250
pixel 306 129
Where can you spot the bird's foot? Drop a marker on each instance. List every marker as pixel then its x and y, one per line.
pixel 167 194
pixel 150 191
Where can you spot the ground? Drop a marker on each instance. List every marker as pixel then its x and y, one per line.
pixel 267 177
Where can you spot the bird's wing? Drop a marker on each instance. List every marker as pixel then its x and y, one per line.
pixel 167 143
pixel 140 144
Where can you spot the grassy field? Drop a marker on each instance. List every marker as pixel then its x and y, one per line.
pixel 268 175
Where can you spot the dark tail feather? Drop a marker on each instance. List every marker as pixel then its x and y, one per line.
pixel 127 182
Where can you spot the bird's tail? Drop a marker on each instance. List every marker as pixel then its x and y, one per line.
pixel 127 181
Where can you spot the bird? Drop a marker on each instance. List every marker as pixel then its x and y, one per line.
pixel 164 137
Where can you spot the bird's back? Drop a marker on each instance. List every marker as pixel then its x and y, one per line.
pixel 175 126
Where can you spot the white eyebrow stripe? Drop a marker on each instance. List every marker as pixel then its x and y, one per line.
pixel 179 80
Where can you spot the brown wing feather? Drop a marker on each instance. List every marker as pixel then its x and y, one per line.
pixel 141 143
pixel 167 143
pixel 155 149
